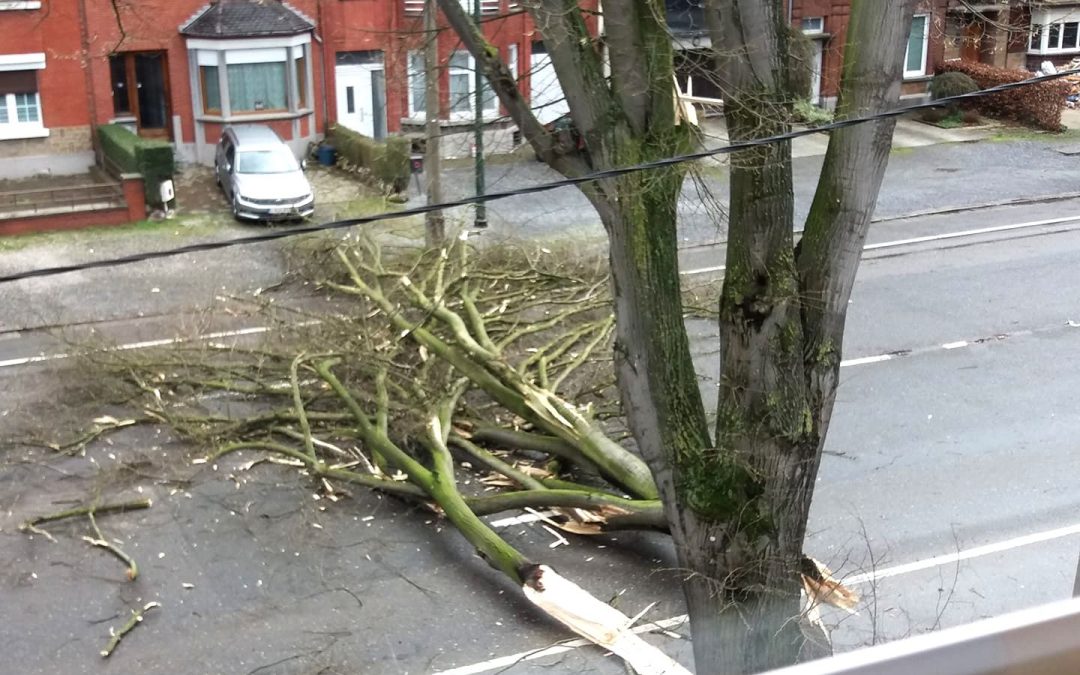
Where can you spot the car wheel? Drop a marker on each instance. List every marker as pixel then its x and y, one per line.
pixel 217 175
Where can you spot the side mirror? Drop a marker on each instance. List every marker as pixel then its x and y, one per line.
pixel 303 165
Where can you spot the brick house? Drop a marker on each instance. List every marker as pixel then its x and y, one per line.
pixel 1014 33
pixel 825 23
pixel 182 69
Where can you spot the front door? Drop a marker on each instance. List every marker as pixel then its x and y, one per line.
pixel 140 89
pixel 361 98
pixel 971 47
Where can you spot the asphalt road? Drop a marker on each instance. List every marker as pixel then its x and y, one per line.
pixel 951 472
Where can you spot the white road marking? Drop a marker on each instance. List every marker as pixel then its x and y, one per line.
pixel 971 233
pixel 147 344
pixel 929 238
pixel 503 662
pixel 955 345
pixel 704 270
pixel 977 552
pixel 862 361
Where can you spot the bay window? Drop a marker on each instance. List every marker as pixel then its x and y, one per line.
pixel 236 80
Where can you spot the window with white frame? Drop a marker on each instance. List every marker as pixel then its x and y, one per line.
pixel 813 24
pixel 462 92
pixel 417 85
pixel 1054 32
pixel 234 79
pixel 915 55
pixel 486 6
pixel 20 102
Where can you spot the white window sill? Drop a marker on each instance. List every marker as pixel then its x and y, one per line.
pixel 19 4
pixel 1052 52
pixel 916 77
pixel 11 132
pixel 456 119
pixel 242 118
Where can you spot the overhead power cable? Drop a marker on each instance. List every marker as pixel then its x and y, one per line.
pixel 527 190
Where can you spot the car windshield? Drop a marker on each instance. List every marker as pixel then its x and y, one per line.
pixel 278 160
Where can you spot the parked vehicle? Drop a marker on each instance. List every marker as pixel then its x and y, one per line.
pixel 260 176
pixel 565 133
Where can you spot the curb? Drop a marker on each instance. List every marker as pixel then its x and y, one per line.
pixel 1017 201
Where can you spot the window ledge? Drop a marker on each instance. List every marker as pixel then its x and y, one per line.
pixel 19 4
pixel 1053 52
pixel 456 121
pixel 254 117
pixel 11 132
pixel 923 77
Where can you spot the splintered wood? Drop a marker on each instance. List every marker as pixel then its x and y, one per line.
pixel 596 621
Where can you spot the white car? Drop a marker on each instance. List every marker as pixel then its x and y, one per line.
pixel 260 176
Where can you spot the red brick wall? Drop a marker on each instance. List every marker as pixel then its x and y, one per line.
pixel 65 221
pixel 56 34
pixel 135 196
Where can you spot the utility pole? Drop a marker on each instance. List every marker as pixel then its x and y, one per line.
pixel 434 223
pixel 478 102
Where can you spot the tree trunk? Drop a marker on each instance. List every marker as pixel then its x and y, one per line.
pixel 747 501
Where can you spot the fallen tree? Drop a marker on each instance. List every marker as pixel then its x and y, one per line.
pixel 490 364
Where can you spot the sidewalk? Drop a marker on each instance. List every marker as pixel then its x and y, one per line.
pixel 909 133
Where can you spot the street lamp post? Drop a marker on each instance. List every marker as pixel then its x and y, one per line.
pixel 478 103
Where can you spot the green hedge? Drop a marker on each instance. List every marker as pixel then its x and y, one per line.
pixel 1037 105
pixel 387 162
pixel 131 154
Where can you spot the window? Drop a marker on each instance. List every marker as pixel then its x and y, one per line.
pixel 462 91
pixel 813 24
pixel 20 105
pixel 460 83
pixel 417 85
pixel 211 89
pixel 301 81
pixel 235 80
pixel 1053 32
pixel 257 87
pixel 486 6
pixel 915 57
pixel 121 93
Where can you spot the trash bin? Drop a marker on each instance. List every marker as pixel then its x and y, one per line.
pixel 327 155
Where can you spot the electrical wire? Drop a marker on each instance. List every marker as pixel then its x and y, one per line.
pixel 527 190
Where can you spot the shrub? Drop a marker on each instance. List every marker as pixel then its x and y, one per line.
pixel 1037 105
pixel 386 162
pixel 934 115
pixel 952 83
pixel 129 153
pixel 809 114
